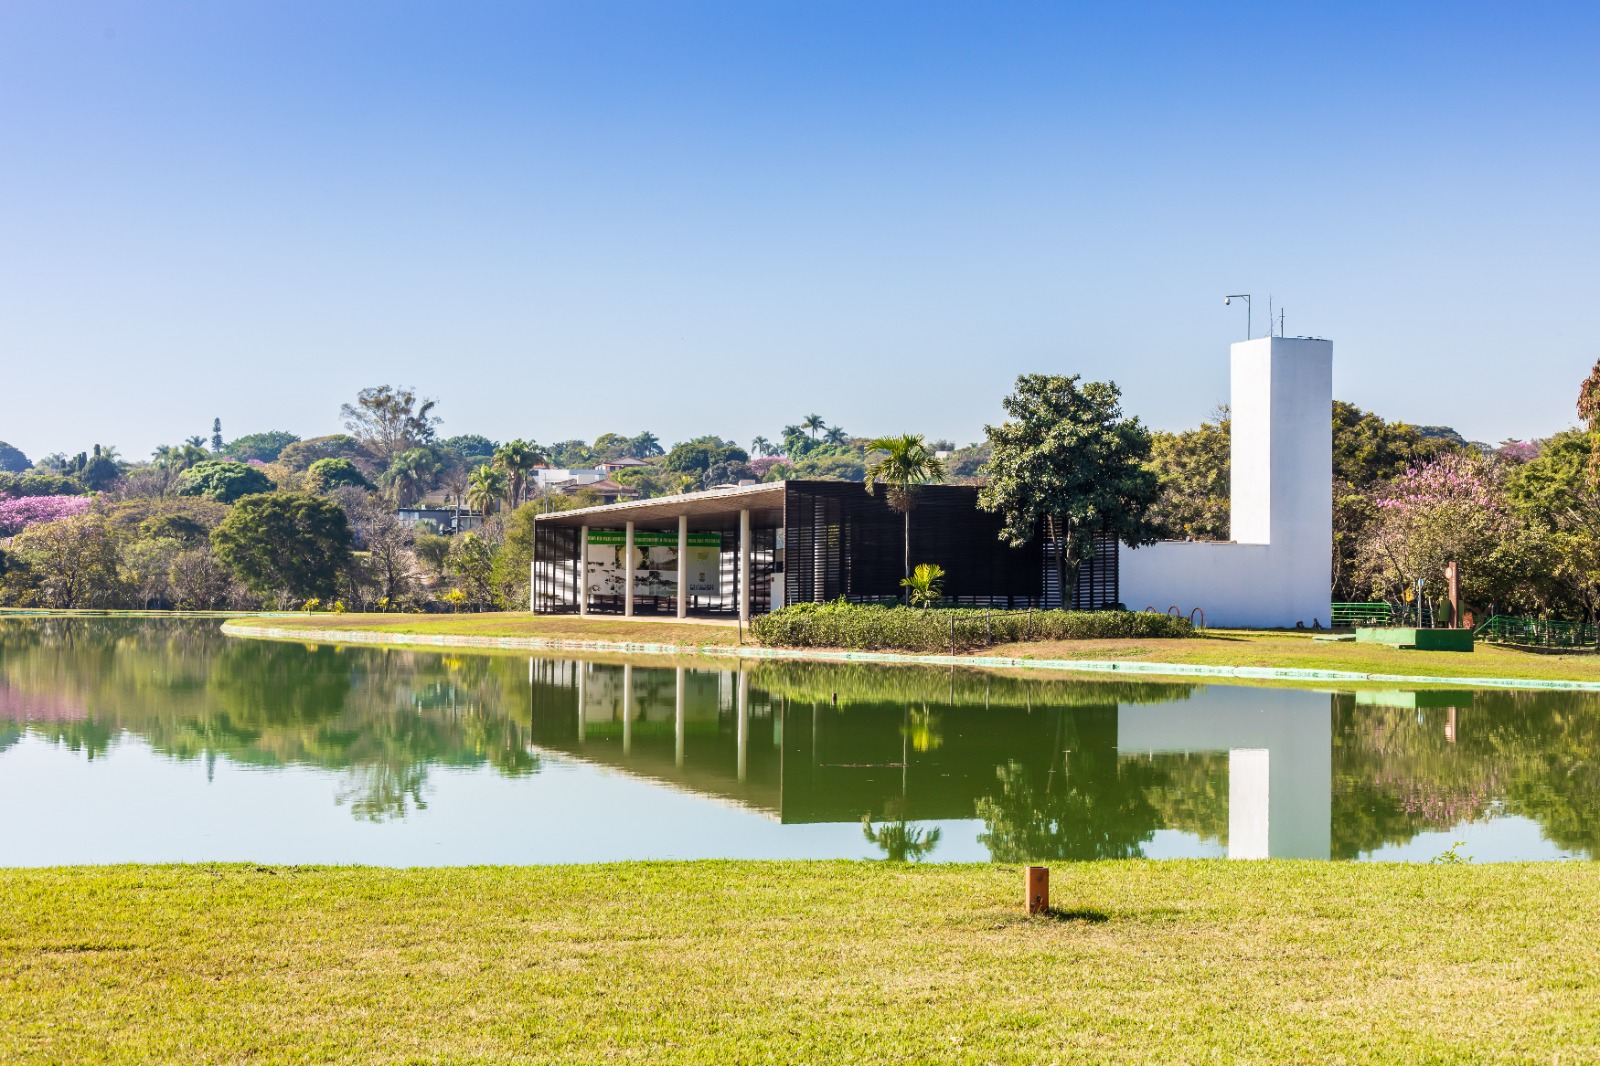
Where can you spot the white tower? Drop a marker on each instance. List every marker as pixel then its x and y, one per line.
pixel 1277 570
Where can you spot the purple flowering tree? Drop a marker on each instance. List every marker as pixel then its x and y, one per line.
pixel 17 515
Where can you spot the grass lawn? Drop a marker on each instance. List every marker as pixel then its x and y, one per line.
pixel 1215 648
pixel 801 962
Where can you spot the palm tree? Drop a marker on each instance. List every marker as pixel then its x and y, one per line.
pixel 901 841
pixel 906 463
pixel 836 435
pixel 645 445
pixel 516 459
pixel 813 423
pixel 485 488
pixel 409 475
pixel 760 446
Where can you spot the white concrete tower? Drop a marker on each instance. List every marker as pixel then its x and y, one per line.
pixel 1277 569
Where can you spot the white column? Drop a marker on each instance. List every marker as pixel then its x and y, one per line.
pixel 1249 803
pixel 744 566
pixel 627 708
pixel 627 573
pixel 583 571
pixel 581 667
pixel 679 724
pixel 533 583
pixel 744 719
pixel 683 566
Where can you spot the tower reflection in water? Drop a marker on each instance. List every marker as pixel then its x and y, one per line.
pixel 1055 769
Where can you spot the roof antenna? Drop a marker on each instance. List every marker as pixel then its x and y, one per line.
pixel 1280 322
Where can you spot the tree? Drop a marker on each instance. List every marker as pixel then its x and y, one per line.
pixel 761 447
pixel 517 459
pixel 814 423
pixel 900 841
pixel 1558 493
pixel 100 471
pixel 78 561
pixel 325 475
pixel 389 420
pixel 609 446
pixel 486 486
pixel 1068 461
pixel 836 435
pixel 301 454
pixel 471 561
pixel 12 460
pixel 470 446
pixel 286 546
pixel 177 457
pixel 1192 468
pixel 906 464
pixel 1367 450
pixel 216 436
pixel 264 447
pixel 389 568
pixel 700 455
pixel 925 586
pixel 645 446
pixel 224 480
pixel 409 475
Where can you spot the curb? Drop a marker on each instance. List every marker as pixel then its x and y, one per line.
pixel 1093 666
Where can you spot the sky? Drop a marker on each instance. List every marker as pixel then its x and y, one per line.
pixel 563 219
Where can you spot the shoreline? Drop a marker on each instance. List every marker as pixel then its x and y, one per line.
pixel 1102 667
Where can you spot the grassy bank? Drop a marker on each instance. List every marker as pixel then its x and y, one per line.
pixel 1211 648
pixel 794 962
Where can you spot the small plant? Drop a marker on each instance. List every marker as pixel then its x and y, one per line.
pixel 925 586
pixel 313 604
pixel 455 598
pixel 1452 856
pixel 337 607
pixel 383 604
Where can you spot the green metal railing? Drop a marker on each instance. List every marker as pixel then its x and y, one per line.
pixel 1361 614
pixel 1538 632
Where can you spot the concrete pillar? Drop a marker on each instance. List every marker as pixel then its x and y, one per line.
pixel 744 566
pixel 581 724
pixel 627 708
pixel 533 582
pixel 683 566
pixel 627 573
pixel 743 706
pixel 679 721
pixel 583 571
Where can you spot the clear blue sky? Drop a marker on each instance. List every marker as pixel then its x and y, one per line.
pixel 563 219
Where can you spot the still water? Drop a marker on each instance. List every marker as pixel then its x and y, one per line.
pixel 157 741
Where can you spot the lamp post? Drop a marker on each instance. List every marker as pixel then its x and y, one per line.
pixel 1226 300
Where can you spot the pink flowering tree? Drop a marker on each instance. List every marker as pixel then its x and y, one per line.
pixel 17 515
pixel 1448 510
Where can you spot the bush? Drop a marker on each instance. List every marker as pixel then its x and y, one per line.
pixel 871 628
pixel 224 480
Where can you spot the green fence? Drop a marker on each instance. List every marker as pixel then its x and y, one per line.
pixel 1361 614
pixel 1538 632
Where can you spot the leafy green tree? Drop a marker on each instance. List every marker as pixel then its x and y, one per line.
pixel 216 436
pixel 471 562
pixel 263 447
pixel 836 435
pixel 829 466
pixel 905 465
pixel 760 446
pixel 77 561
pixel 514 559
pixel 1367 450
pixel 900 841
pixel 1557 492
pixel 1193 470
pixel 224 480
pixel 699 455
pixel 814 424
pixel 325 475
pixel 470 446
pixel 286 546
pixel 389 420
pixel 301 454
pixel 645 446
pixel 925 586
pixel 101 470
pixel 176 527
pixel 12 460
pixel 1067 460
pixel 432 550
pixel 611 446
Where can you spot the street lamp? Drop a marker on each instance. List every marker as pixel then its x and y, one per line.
pixel 1226 300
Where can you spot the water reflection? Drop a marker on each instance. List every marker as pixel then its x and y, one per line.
pixel 916 764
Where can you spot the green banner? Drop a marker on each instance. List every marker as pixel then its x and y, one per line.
pixel 649 538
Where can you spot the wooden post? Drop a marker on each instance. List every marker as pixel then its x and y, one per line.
pixel 1452 576
pixel 1038 889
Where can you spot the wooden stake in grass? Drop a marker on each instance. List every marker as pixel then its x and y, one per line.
pixel 1037 888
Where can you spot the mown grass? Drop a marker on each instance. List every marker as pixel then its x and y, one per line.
pixel 1211 648
pixel 797 962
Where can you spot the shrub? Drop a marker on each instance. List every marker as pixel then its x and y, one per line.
pixel 224 480
pixel 870 628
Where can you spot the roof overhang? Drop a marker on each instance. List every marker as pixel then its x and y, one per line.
pixel 705 510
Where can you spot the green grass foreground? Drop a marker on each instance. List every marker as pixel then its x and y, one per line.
pixel 1217 647
pixel 801 962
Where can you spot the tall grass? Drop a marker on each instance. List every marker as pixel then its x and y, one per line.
pixel 872 628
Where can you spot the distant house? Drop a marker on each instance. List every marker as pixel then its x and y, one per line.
pixel 445 520
pixel 609 491
pixel 547 478
pixel 627 462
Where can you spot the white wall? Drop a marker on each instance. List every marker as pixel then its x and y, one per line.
pixel 1276 572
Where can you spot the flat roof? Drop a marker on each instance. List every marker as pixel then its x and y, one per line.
pixel 706 510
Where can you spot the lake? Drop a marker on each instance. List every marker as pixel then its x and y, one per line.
pixel 156 740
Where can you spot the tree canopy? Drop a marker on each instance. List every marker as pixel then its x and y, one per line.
pixel 224 480
pixel 264 447
pixel 288 546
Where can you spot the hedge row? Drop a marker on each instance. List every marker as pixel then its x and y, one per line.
pixel 872 628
